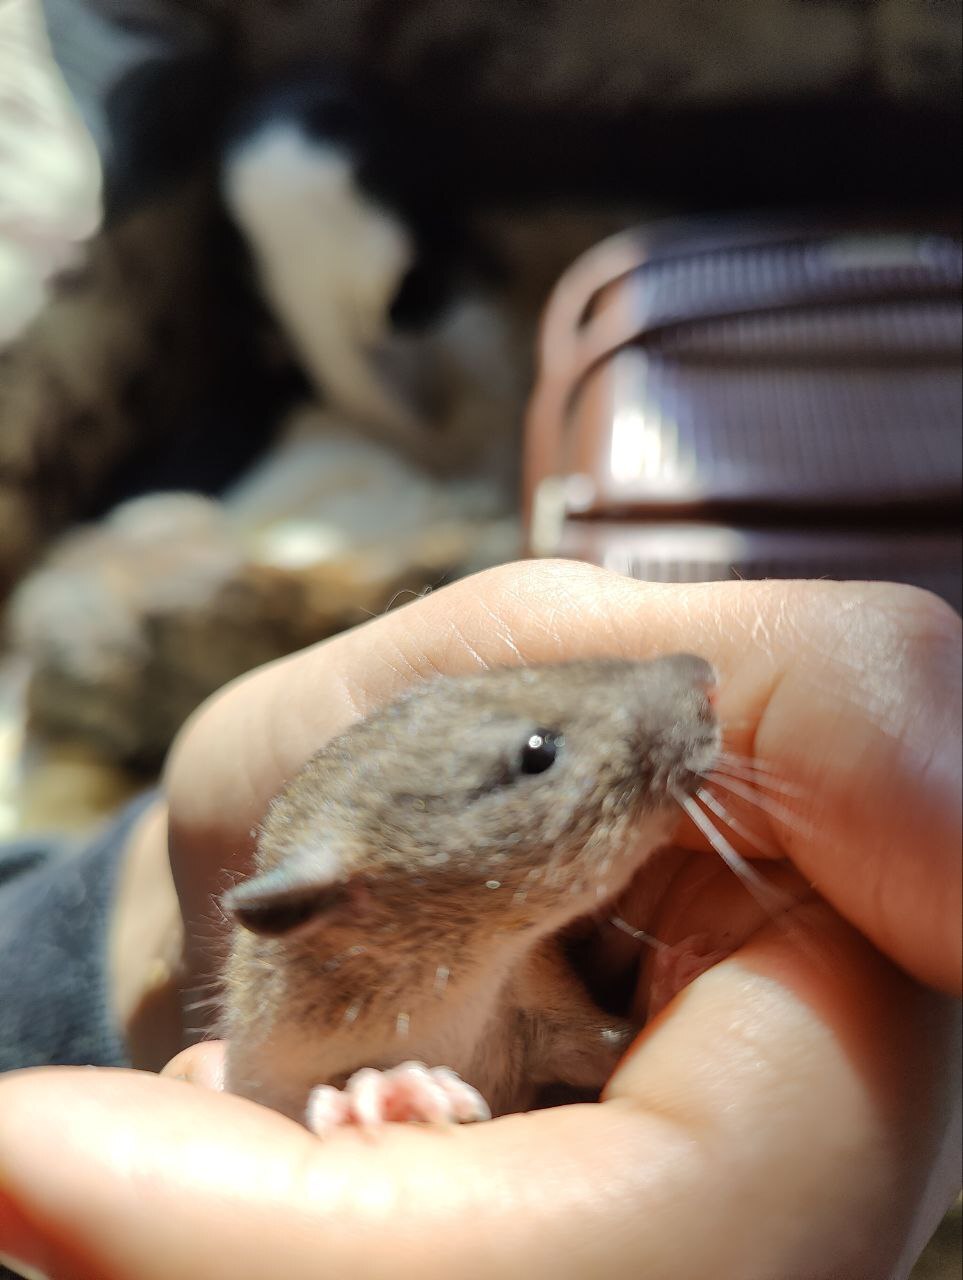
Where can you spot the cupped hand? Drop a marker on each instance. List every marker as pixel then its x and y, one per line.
pixel 793 1113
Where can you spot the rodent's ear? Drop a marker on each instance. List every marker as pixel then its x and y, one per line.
pixel 276 903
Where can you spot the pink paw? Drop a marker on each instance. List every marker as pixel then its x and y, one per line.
pixel 411 1093
pixel 676 967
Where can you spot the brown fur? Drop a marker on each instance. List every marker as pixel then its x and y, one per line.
pixel 434 879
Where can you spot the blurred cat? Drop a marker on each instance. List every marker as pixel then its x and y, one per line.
pixel 364 200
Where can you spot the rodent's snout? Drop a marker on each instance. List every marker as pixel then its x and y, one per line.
pixel 693 672
pixel 689 735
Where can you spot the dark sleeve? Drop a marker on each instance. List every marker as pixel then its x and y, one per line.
pixel 55 909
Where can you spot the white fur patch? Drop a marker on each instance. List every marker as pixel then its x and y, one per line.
pixel 330 261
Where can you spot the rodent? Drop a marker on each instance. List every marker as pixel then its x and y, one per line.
pixel 412 880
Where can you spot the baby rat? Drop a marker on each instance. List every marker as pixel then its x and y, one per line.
pixel 412 881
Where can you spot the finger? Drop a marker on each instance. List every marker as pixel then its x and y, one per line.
pixel 851 691
pixel 808 1049
pixel 784 1117
pixel 201 1064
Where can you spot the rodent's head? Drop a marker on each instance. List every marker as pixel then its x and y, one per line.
pixel 518 788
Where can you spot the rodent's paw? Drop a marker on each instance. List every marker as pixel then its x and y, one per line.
pixel 410 1093
pixel 676 967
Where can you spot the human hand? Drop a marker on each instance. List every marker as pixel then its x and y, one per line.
pixel 791 1114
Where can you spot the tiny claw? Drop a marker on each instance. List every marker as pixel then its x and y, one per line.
pixel 327 1110
pixel 411 1093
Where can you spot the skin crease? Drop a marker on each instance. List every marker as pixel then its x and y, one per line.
pixel 798 1101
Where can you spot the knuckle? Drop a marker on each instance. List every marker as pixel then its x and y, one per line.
pixel 918 618
pixel 544 576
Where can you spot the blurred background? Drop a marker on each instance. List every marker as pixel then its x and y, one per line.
pixel 49 170
pixel 50 186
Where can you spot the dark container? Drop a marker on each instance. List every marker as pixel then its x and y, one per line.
pixel 771 399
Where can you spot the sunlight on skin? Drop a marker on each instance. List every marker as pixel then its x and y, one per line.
pixel 790 1113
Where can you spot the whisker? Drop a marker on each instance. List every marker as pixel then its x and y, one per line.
pixel 751 762
pixel 760 780
pixel 212 990
pixel 206 990
pixel 771 900
pixel 765 803
pixel 639 935
pixel 203 983
pixel 203 1029
pixel 196 1005
pixel 714 805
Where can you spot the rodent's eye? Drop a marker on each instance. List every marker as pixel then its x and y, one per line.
pixel 540 751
